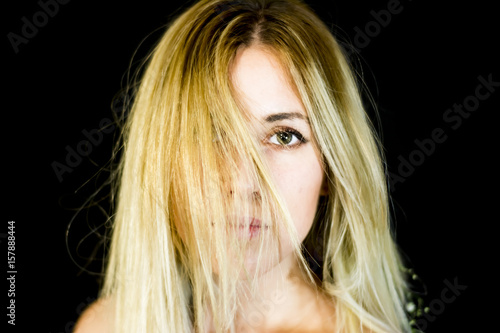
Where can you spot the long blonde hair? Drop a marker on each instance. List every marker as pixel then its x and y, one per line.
pixel 183 141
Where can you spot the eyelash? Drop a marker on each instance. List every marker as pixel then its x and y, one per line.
pixel 301 139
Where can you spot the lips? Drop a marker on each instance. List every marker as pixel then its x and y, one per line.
pixel 251 222
pixel 255 223
pixel 250 227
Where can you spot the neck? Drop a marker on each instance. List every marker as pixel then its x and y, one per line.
pixel 283 301
pixel 281 292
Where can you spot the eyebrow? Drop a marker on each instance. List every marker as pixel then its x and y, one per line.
pixel 285 115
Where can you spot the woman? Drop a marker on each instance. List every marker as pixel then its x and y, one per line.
pixel 252 196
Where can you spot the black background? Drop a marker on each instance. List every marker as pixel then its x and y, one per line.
pixel 62 81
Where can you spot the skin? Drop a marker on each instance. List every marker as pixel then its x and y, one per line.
pixel 295 166
pixel 279 118
pixel 284 302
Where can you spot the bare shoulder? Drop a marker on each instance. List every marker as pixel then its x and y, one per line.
pixel 97 317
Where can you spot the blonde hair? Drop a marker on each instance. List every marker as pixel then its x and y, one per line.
pixel 183 142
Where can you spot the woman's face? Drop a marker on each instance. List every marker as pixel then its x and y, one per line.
pixel 280 119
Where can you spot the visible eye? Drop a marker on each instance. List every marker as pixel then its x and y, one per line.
pixel 287 138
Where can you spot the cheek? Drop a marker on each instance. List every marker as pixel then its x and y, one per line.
pixel 299 178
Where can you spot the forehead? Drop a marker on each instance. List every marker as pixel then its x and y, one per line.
pixel 262 83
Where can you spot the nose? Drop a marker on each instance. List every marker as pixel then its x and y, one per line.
pixel 246 184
